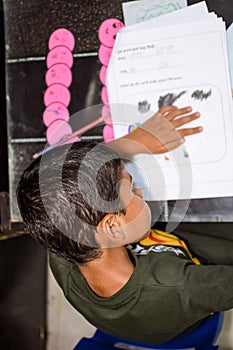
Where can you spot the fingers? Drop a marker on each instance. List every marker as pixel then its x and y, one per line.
pixel 185 120
pixel 172 115
pixel 162 111
pixel 171 112
pixel 178 138
pixel 190 131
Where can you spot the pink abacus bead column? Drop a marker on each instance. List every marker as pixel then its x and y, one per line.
pixel 58 79
pixel 107 34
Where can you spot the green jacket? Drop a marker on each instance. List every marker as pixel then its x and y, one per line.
pixel 166 295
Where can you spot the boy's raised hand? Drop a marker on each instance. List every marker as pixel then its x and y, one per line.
pixel 162 132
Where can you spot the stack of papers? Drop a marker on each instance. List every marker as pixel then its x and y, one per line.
pixel 179 58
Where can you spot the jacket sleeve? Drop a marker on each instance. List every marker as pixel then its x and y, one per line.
pixel 207 288
pixel 203 289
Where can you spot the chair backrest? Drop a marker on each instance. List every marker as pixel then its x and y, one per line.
pixel 201 338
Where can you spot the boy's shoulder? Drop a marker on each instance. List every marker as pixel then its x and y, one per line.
pixel 60 268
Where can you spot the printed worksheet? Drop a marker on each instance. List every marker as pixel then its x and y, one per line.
pixel 182 64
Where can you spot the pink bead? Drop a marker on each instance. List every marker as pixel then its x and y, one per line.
pixel 102 75
pixel 106 113
pixel 108 31
pixel 57 131
pixel 60 54
pixel 104 54
pixel 108 133
pixel 57 93
pixel 59 73
pixel 61 36
pixel 55 111
pixel 104 95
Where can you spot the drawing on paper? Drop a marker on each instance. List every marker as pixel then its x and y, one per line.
pixel 140 11
pixel 201 95
pixel 203 99
pixel 169 99
pixel 143 106
pixel 153 11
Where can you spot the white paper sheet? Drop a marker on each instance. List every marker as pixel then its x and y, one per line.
pixel 189 62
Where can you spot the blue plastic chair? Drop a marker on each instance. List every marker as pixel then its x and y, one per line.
pixel 202 338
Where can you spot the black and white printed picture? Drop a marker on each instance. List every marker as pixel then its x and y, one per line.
pixel 205 99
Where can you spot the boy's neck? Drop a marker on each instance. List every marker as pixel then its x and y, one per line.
pixel 108 274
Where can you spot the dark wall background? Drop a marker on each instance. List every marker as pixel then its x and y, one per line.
pixel 23 270
pixel 3 134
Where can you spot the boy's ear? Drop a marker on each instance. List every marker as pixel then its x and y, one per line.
pixel 109 229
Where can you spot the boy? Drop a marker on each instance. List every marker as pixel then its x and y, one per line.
pixel 79 202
